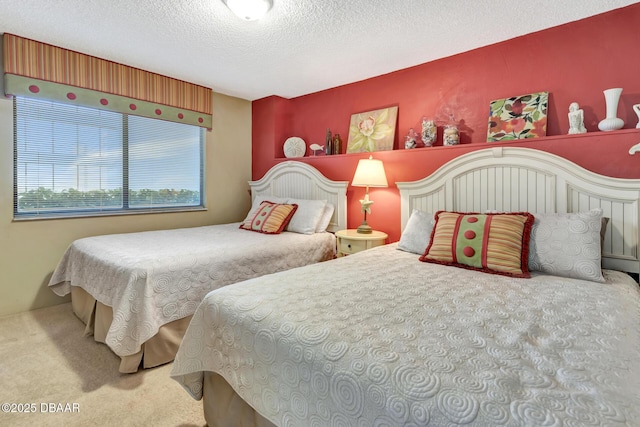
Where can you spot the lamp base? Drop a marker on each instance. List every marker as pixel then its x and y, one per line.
pixel 365 228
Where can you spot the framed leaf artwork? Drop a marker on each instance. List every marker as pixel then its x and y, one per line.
pixel 372 130
pixel 518 117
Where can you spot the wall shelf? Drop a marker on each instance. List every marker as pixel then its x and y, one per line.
pixel 478 145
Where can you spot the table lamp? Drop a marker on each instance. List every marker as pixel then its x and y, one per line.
pixel 369 173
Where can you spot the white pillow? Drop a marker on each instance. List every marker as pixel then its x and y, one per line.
pixel 567 245
pixel 417 234
pixel 307 216
pixel 255 205
pixel 325 218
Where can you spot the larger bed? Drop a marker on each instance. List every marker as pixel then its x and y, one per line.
pixel 136 292
pixel 382 339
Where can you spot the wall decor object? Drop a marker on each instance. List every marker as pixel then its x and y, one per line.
pixel 337 144
pixel 410 139
pixel 317 148
pixel 636 108
pixel 450 135
pixel 611 122
pixel 372 130
pixel 328 143
pixel 576 119
pixel 429 132
pixel 518 117
pixel 294 147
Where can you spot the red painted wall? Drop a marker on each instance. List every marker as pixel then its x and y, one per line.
pixel 573 62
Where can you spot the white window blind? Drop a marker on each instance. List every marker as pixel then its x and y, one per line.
pixel 71 160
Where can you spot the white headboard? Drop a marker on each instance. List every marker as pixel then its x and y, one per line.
pixel 302 181
pixel 524 179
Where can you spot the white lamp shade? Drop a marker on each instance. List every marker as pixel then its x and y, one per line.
pixel 370 173
pixel 249 10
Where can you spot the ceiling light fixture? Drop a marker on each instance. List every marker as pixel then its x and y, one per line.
pixel 249 10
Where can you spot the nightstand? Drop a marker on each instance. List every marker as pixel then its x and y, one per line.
pixel 351 242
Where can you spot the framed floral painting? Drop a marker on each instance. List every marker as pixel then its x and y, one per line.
pixel 372 130
pixel 518 117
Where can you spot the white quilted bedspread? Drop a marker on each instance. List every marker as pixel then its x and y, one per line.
pixel 381 339
pixel 153 278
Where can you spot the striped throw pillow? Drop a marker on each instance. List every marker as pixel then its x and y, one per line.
pixel 493 243
pixel 270 218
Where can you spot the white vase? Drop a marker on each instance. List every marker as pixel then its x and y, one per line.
pixel 611 122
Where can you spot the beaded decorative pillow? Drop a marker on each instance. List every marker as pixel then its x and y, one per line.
pixel 492 243
pixel 269 218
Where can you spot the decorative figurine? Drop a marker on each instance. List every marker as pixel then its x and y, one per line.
pixel 636 108
pixel 315 148
pixel 410 139
pixel 429 132
pixel 576 119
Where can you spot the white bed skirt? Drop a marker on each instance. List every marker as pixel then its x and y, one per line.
pixel 224 408
pixel 158 350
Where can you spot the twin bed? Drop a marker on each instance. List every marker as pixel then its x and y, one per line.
pixel 136 292
pixel 381 339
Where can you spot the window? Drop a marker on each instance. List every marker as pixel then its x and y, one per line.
pixel 73 161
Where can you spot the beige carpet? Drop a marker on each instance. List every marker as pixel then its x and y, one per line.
pixel 45 359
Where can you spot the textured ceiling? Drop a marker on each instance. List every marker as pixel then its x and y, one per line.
pixel 300 47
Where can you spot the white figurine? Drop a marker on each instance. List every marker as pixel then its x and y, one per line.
pixel 315 148
pixel 576 119
pixel 636 108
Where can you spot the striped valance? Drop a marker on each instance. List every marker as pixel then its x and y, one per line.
pixel 37 69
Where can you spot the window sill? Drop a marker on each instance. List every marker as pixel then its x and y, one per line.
pixel 142 211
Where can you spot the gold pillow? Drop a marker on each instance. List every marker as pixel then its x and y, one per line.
pixel 492 243
pixel 270 218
